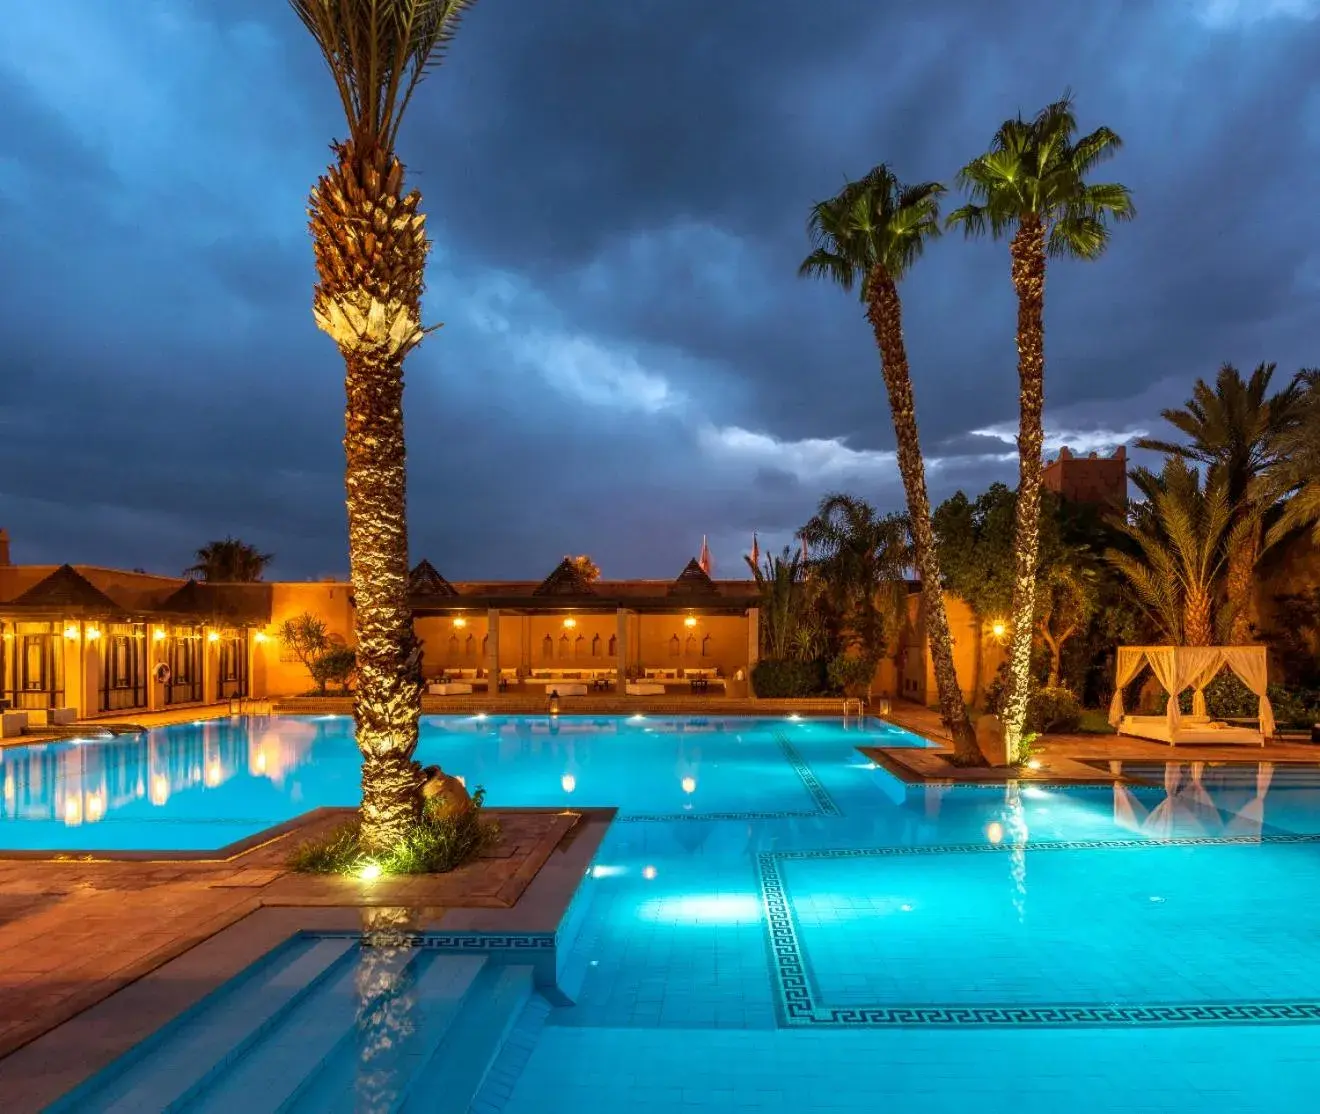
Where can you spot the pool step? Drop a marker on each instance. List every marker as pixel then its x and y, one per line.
pixel 167 1072
pixel 440 986
pixel 450 1080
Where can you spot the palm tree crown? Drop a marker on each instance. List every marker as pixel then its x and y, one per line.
pixel 873 224
pixel 1234 426
pixel 1297 475
pixel 377 53
pixel 1036 169
pixel 229 561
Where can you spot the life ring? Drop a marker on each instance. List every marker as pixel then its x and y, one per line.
pixel 162 673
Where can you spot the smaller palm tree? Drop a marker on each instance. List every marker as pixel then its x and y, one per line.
pixel 1295 481
pixel 868 237
pixel 784 605
pixel 1180 535
pixel 1031 185
pixel 229 561
pixel 1235 429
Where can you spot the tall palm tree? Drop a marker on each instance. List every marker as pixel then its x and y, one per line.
pixel 868 237
pixel 1031 185
pixel 858 554
pixel 1179 534
pixel 1234 429
pixel 1296 476
pixel 229 561
pixel 371 246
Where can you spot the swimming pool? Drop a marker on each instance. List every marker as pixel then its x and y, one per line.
pixel 774 924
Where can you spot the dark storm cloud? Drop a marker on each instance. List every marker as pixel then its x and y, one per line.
pixel 617 192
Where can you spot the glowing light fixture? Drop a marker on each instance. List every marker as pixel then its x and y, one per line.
pixel 999 628
pixel 690 621
pixel 158 635
pixel 369 871
pixel 213 636
pixel 568 782
pixel 994 832
pixel 794 715
pixel 71 632
pixel 260 636
pixel 648 872
pixel 1034 764
pixel 689 785
pixel 93 633
pixel 570 623
pixel 460 622
pixel 480 715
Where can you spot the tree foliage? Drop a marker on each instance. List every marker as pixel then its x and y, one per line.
pixel 229 561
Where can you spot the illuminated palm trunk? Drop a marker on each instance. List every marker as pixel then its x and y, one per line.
pixel 1029 281
pixel 885 312
pixel 1198 627
pixel 371 248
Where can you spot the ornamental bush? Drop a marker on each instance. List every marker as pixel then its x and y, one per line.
pixel 1053 710
pixel 774 678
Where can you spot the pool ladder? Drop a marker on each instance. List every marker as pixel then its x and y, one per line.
pixel 853 705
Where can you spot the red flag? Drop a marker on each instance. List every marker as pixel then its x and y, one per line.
pixel 704 559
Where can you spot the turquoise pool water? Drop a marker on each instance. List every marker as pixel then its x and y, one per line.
pixel 773 924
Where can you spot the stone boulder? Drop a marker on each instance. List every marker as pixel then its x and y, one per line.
pixel 990 740
pixel 443 795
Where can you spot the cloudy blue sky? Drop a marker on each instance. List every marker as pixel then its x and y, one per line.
pixel 617 191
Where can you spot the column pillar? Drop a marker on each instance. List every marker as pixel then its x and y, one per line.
pixel 621 648
pixel 525 649
pixel 753 645
pixel 155 690
pixel 492 651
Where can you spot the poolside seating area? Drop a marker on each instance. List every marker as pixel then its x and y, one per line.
pixel 579 682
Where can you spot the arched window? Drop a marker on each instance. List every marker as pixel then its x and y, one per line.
pixel 595 645
pixel 705 646
pixel 565 647
pixel 691 648
pixel 485 644
pixel 547 647
pixel 469 647
pixel 674 647
pixel 614 645
pixel 453 645
pixel 580 646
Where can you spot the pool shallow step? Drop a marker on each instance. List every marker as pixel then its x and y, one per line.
pixel 165 1074
pixel 440 987
pixel 275 1067
pixel 450 1080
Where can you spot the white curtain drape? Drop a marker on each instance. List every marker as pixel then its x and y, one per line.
pixel 1249 663
pixel 1164 664
pixel 1130 661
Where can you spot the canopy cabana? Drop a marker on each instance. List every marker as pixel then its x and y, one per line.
pixel 1179 668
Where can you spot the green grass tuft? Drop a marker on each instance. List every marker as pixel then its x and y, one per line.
pixel 437 845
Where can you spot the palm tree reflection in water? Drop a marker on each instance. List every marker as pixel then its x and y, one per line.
pixel 387 1006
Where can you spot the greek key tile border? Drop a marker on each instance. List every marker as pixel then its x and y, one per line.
pixel 464 941
pixel 796 999
pixel 820 798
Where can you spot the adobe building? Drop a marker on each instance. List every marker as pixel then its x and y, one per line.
pixel 1095 479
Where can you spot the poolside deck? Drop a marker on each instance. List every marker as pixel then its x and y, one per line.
pixel 1079 759
pixel 73 931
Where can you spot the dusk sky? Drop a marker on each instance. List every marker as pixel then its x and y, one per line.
pixel 617 192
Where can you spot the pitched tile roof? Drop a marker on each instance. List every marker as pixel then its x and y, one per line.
pixel 566 580
pixel 693 581
pixel 425 581
pixel 66 590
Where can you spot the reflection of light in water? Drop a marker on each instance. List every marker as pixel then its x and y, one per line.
pixel 160 789
pixel 569 782
pixel 905 908
pixel 95 807
pixel 637 718
pixel 261 761
pixel 213 773
pixel 72 812
pixel 599 871
pixel 1015 818
pixel 648 872
pixel 994 832
pixel 702 909
pixel 1035 793
pixel 794 716
pixel 461 780
pixel 689 785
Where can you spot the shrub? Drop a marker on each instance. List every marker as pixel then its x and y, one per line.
pixel 772 678
pixel 435 846
pixel 335 666
pixel 1053 709
pixel 851 675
